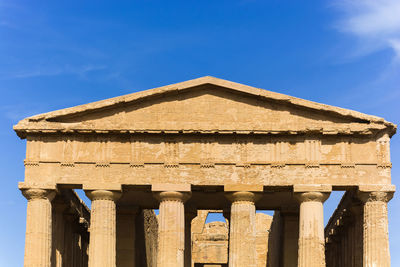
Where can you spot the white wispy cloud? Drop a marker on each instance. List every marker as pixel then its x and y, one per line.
pixel 52 71
pixel 373 26
pixel 376 23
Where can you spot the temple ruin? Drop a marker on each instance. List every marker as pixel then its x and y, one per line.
pixel 197 147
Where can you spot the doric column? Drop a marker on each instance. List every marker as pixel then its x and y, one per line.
pixel 59 233
pixel 376 236
pixel 38 238
pixel 102 244
pixel 242 239
pixel 311 229
pixel 126 235
pixel 190 214
pixel 171 228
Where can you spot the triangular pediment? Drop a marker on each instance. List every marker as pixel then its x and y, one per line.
pixel 206 104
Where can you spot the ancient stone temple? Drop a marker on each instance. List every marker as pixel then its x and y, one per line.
pixel 200 146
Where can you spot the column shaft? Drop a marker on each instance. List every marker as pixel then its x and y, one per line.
pixel 242 239
pixel 376 235
pixel 38 238
pixel 102 246
pixel 171 230
pixel 311 229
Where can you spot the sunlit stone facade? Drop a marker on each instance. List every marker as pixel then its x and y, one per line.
pixel 206 144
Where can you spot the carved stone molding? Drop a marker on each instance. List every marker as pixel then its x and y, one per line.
pixel 103 164
pixel 103 195
pixel 279 165
pixel 36 193
pixel 173 196
pixel 171 165
pixel 31 163
pixel 207 165
pixel 242 196
pixel 67 164
pixel 347 165
pixel 384 165
pixel 375 196
pixel 312 165
pixel 136 165
pixel 312 196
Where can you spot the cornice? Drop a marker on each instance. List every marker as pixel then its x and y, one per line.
pixel 57 128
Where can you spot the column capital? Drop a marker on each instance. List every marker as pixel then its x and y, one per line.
pixel 37 193
pixel 312 196
pixel 173 196
pixel 103 195
pixel 242 196
pixel 383 196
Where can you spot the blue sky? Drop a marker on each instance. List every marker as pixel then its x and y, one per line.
pixel 57 54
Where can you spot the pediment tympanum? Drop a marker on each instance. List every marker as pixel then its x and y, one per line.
pixel 205 105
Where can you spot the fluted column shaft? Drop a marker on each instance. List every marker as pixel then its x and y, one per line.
pixel 102 245
pixel 311 231
pixel 171 229
pixel 242 239
pixel 38 238
pixel 376 235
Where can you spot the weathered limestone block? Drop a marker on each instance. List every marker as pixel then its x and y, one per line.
pixel 38 238
pixel 171 233
pixel 242 240
pixel 210 246
pixel 102 247
pixel 311 231
pixel 376 235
